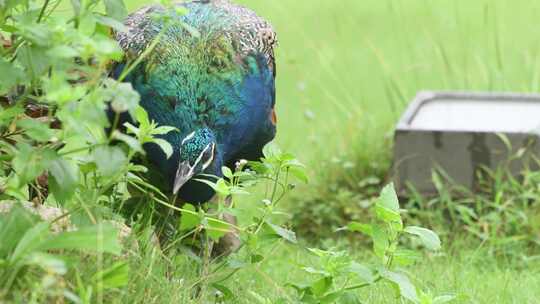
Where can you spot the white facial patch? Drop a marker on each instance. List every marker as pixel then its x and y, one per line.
pixel 190 136
pixel 211 158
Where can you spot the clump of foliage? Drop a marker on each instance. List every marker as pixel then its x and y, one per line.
pixel 344 186
pixel 338 273
pixel 53 145
pixel 502 211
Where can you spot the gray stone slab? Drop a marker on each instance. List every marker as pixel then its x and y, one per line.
pixel 460 132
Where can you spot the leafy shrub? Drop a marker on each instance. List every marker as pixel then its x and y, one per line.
pixel 337 274
pixel 343 188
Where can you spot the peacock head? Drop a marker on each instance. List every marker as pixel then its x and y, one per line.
pixel 198 154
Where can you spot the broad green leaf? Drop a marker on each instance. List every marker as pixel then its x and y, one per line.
pixel 388 198
pixel 444 299
pixel 112 23
pixel 271 151
pixel 405 257
pixel 299 173
pixel 389 216
pixel 116 9
pixel 30 241
pixel 13 226
pixel 30 162
pixel 164 145
pixel 63 52
pixel 34 59
pixel 331 297
pixel 65 178
pixel 429 238
pixel 132 142
pixel 48 262
pixel 225 291
pixel 113 277
pixel 189 220
pixel 8 113
pixel 362 272
pixel 36 130
pixel 162 130
pixel 122 96
pixel 216 229
pixel 142 117
pixel 282 232
pixel 99 238
pixel 227 172
pixel 380 241
pixel 404 286
pixel 321 286
pixel 109 160
pixel 15 72
pixel 359 227
pixel 256 258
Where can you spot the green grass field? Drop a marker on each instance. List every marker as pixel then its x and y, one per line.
pixel 346 70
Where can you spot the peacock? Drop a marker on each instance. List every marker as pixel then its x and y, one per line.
pixel 212 76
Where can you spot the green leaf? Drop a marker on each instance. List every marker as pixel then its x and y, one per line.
pixel 34 59
pixel 30 162
pixel 444 299
pixel 15 72
pixel 429 238
pixel 189 220
pixel 389 216
pixel 282 232
pixel 30 241
pixel 13 227
pixel 362 272
pixel 256 258
pixel 63 52
pixel 132 142
pixel 112 23
pixel 331 297
pixel 162 130
pixel 48 262
pixel 271 151
pixel 109 160
pixel 164 145
pixel 403 285
pixel 321 286
pixel 227 172
pixel 388 198
pixel 113 277
pixel 359 227
pixel 216 229
pixel 8 113
pixel 299 173
pixel 65 178
pixel 116 9
pixel 142 117
pixel 387 208
pixel 405 257
pixel 380 241
pixel 99 238
pixel 36 130
pixel 226 292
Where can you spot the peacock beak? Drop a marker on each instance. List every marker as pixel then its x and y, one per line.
pixel 184 173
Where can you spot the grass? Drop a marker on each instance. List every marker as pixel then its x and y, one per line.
pixel 346 70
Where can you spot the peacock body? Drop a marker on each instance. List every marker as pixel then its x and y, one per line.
pixel 212 76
